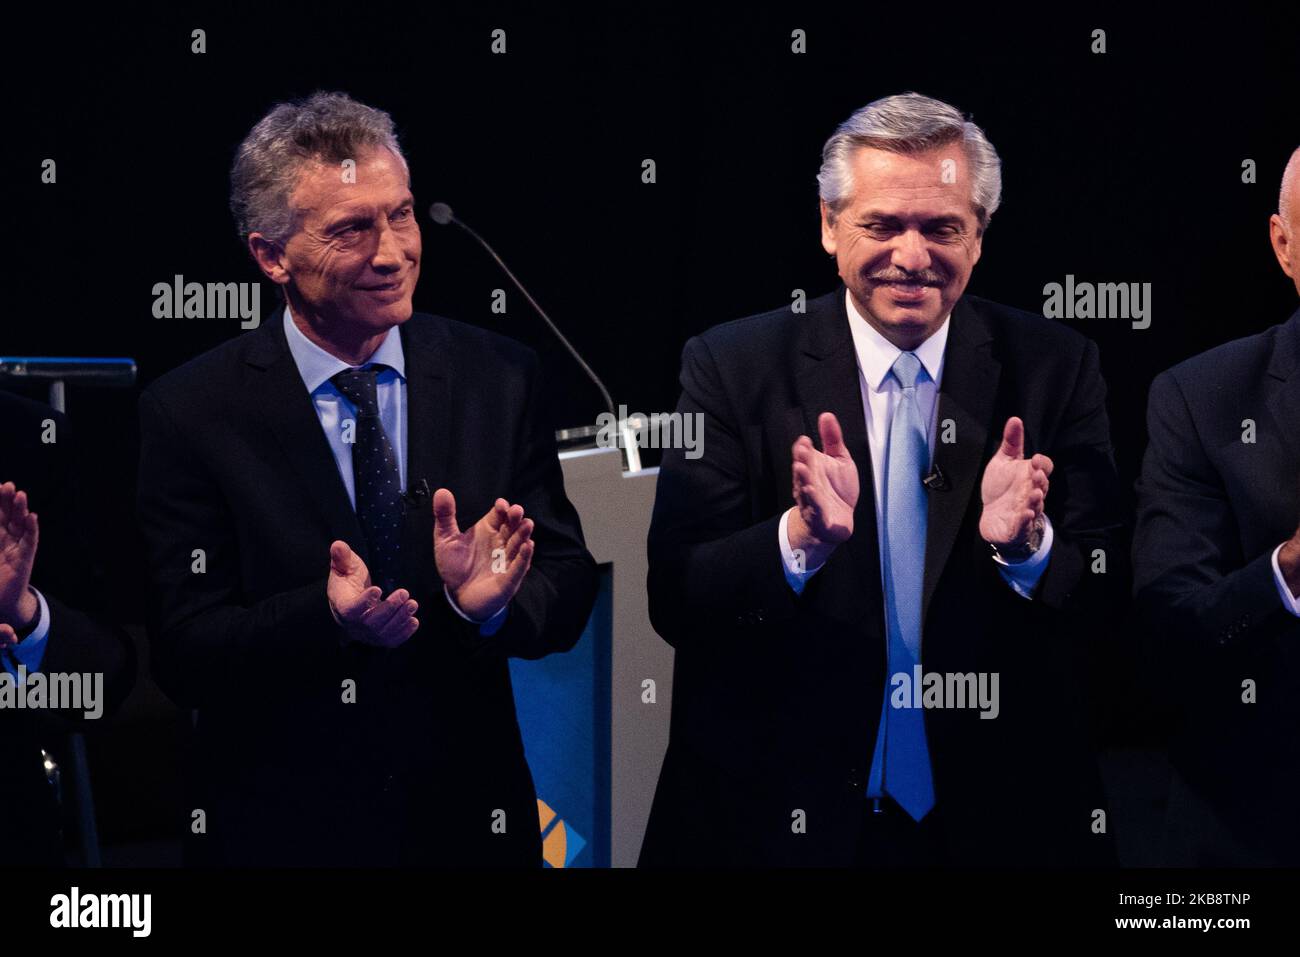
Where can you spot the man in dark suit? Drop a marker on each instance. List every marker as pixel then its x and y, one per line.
pixel 55 629
pixel 796 583
pixel 1216 562
pixel 285 497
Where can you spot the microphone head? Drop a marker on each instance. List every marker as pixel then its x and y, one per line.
pixel 440 213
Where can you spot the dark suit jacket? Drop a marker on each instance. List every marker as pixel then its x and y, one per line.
pixel 80 639
pixel 1212 507
pixel 234 462
pixel 776 697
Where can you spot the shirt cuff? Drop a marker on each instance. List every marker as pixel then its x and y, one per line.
pixel 1023 576
pixel 485 628
pixel 1288 600
pixel 30 652
pixel 796 575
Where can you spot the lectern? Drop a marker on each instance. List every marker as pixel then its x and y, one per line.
pixel 595 720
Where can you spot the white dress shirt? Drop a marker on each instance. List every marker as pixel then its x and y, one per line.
pixel 880 395
pixel 1289 601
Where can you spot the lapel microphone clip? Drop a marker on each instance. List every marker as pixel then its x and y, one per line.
pixel 936 481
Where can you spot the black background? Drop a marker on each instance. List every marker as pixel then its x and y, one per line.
pixel 1118 167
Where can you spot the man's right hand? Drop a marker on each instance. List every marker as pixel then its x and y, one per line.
pixel 825 493
pixel 19 534
pixel 1288 560
pixel 356 604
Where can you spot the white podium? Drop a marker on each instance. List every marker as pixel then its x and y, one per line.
pixel 615 509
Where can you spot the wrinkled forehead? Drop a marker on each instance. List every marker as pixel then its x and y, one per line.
pixel 933 182
pixel 377 177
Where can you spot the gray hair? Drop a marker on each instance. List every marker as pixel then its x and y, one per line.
pixel 325 127
pixel 909 123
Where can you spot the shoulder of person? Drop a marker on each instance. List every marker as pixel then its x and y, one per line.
pixel 209 374
pixel 1027 329
pixel 471 344
pixel 768 336
pixel 1234 365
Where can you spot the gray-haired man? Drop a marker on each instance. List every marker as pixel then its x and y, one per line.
pixel 875 663
pixel 296 494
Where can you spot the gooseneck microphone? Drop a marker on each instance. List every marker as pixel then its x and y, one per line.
pixel 441 214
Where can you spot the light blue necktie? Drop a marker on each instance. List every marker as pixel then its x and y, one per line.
pixel 903 770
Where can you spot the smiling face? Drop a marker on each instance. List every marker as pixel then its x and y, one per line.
pixel 353 261
pixel 906 241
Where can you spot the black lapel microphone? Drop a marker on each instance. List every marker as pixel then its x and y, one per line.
pixel 936 481
pixel 417 493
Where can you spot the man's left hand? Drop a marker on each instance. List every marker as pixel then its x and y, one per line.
pixel 1014 490
pixel 484 565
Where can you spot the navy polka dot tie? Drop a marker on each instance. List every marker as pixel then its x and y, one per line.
pixel 376 483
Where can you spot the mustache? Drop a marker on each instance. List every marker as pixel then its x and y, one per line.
pixel 926 277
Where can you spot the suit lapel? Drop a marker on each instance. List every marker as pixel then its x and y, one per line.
pixel 828 382
pixel 966 397
pixel 1284 395
pixel 278 395
pixel 425 344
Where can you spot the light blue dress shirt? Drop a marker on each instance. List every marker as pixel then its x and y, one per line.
pixel 30 652
pixel 316 366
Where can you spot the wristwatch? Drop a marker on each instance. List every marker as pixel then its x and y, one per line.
pixel 1024 551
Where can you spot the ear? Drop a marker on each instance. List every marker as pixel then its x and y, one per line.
pixel 1283 246
pixel 270 258
pixel 828 231
pixel 977 248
